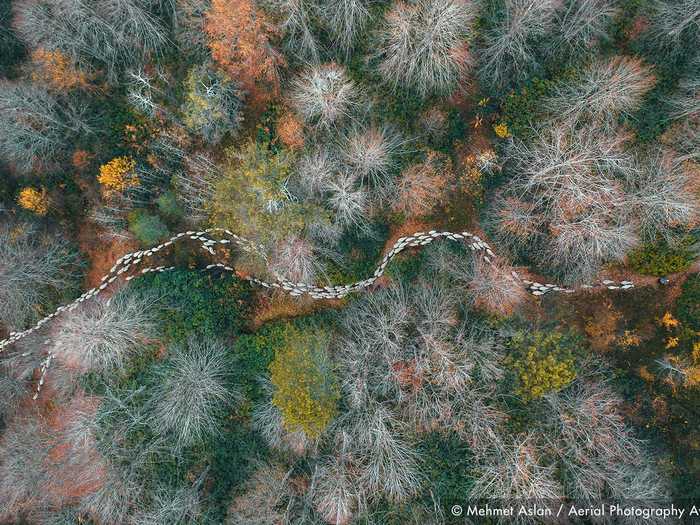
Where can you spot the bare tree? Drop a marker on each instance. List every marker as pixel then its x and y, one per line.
pixel 314 171
pixel 644 480
pixel 600 456
pixel 516 223
pixel 494 288
pixel 113 502
pixel 683 136
pixel 349 201
pixel 514 469
pixel 111 217
pixel 423 186
pixel 565 166
pixel 104 332
pixel 194 180
pixel 12 390
pixel 265 498
pixel 37 127
pixel 64 516
pixel 142 93
pixel 384 461
pixel 403 348
pixel 424 46
pixel 297 259
pixel 375 333
pixel 604 91
pixel 371 155
pixel 569 205
pixel 434 123
pixel 509 51
pixel 483 421
pixel 167 505
pixel 297 27
pixel 335 492
pixel 212 105
pixel 189 25
pixel 346 20
pixel 674 25
pixel 673 370
pixel 24 447
pixel 324 96
pixel 580 247
pixel 584 23
pixel 665 196
pixel 686 102
pixel 193 391
pixel 32 266
pixel 107 33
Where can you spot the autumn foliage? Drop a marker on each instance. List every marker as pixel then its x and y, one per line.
pixel 423 186
pixel 305 391
pixel 290 131
pixel 241 41
pixel 56 70
pixel 118 175
pixel 34 200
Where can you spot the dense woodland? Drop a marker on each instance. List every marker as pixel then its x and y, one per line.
pixel 564 132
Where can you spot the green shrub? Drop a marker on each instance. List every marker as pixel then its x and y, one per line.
pixel 520 109
pixel 662 258
pixel 254 353
pixel 407 266
pixel 447 467
pixel 168 205
pixel 305 390
pixel 361 254
pixel 197 302
pixel 688 304
pixel 541 363
pixel 147 228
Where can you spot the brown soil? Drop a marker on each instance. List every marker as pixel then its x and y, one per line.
pixel 71 479
pixel 282 306
pixel 102 253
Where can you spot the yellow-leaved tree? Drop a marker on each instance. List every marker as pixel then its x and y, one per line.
pixel 305 389
pixel 34 200
pixel 118 175
pixel 542 363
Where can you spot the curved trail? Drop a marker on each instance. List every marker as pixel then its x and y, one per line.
pixel 131 262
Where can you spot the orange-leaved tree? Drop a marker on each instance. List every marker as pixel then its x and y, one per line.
pixel 56 70
pixel 241 41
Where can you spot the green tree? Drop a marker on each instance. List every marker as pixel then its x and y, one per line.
pixel 212 104
pixel 252 200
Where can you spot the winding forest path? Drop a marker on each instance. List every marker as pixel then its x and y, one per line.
pixel 128 266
